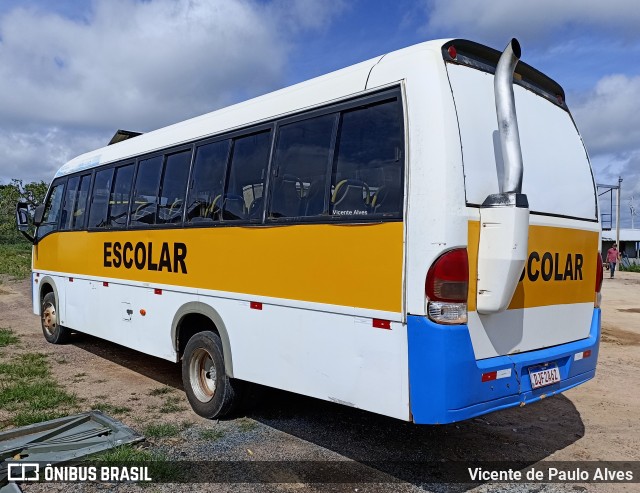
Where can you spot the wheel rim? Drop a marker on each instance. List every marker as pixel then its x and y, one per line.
pixel 49 320
pixel 202 375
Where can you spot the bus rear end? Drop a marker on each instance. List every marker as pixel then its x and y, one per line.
pixel 512 317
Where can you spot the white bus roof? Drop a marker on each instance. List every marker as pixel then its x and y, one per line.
pixel 310 93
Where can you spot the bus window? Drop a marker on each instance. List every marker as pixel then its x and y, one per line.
pixel 70 197
pixel 174 187
pixel 100 199
pixel 119 199
pixel 205 197
pixel 52 210
pixel 145 204
pixel 302 158
pixel 243 197
pixel 80 206
pixel 367 178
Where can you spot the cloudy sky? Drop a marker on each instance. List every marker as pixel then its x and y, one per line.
pixel 74 71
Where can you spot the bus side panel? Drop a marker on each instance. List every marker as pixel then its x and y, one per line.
pixel 335 357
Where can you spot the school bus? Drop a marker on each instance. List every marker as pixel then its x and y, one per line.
pixel 416 235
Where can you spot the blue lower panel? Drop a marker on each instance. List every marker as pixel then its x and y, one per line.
pixel 446 380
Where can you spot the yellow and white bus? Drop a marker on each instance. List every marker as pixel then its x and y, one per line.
pixel 415 235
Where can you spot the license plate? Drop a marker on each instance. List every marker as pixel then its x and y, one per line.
pixel 541 377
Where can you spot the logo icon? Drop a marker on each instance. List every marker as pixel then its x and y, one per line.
pixel 23 471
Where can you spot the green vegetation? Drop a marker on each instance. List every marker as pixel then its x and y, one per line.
pixel 159 467
pixel 631 268
pixel 161 391
pixel 15 250
pixel 128 453
pixel 212 435
pixel 29 392
pixel 171 405
pixel 15 259
pixel 162 430
pixel 16 191
pixel 7 337
pixel 246 424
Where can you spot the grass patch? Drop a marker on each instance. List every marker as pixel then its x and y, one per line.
pixel 105 407
pixel 161 391
pixel 29 393
pixel 212 435
pixel 29 365
pixel 27 417
pixel 162 430
pixel 7 337
pixel 246 424
pixel 171 405
pixel 159 468
pixel 15 259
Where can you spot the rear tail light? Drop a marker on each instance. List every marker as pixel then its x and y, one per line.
pixel 599 276
pixel 447 286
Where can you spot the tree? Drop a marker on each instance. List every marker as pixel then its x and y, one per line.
pixel 32 193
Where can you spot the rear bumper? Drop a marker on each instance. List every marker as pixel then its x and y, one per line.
pixel 446 380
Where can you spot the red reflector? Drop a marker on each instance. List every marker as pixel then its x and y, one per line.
pixel 157 291
pixel 255 305
pixel 487 377
pixel 453 53
pixel 448 277
pixel 105 284
pixel 587 353
pixel 381 324
pixel 71 279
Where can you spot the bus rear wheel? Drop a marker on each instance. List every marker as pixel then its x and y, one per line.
pixel 211 393
pixel 53 332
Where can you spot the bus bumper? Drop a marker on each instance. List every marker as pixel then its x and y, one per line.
pixel 446 382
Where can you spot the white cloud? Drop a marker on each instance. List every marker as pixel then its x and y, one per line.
pixel 497 20
pixel 609 115
pixel 138 65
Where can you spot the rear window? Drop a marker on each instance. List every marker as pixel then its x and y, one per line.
pixel 557 177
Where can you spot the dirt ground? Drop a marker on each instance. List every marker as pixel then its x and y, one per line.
pixel 596 421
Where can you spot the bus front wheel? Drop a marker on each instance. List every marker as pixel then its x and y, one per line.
pixel 211 393
pixel 53 332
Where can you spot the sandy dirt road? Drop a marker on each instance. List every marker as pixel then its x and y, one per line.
pixel 597 421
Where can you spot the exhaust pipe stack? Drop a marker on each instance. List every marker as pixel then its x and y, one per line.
pixel 504 216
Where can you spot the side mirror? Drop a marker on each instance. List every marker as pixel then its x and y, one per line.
pixel 22 220
pixel 22 216
pixel 38 215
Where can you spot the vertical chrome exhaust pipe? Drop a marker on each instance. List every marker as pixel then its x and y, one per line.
pixel 504 216
pixel 507 119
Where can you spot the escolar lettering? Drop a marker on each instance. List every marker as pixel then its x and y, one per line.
pixel 141 255
pixel 553 266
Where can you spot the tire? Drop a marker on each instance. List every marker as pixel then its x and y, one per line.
pixel 53 332
pixel 211 393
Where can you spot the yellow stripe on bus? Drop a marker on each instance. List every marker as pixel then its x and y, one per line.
pixel 560 269
pixel 349 265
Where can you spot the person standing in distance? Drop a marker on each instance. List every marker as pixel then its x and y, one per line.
pixel 612 258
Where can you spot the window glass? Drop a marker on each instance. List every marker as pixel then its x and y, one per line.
pixel 367 176
pixel 52 210
pixel 174 187
pixel 119 198
pixel 100 199
pixel 205 197
pixel 80 206
pixel 243 197
pixel 145 204
pixel 69 202
pixel 301 164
